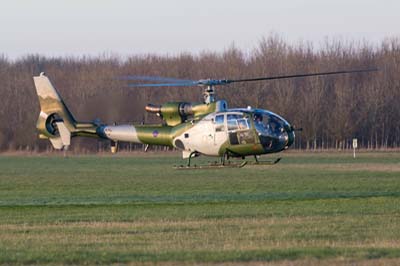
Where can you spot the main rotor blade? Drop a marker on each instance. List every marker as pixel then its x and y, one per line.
pixel 303 75
pixel 173 82
pixel 153 78
pixel 181 84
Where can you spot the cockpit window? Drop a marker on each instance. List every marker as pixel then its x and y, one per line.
pixel 237 122
pixel 268 125
pixel 219 123
pixel 243 123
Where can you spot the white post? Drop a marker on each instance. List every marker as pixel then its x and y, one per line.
pixel 354 147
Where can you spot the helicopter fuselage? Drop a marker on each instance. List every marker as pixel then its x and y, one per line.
pixel 237 132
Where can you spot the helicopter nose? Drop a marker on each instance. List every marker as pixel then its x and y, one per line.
pixel 291 136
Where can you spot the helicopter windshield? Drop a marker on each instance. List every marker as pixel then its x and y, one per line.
pixel 269 124
pixel 273 130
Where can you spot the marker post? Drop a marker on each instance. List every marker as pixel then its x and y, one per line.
pixel 354 147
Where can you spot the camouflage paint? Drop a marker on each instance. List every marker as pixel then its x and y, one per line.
pixel 53 107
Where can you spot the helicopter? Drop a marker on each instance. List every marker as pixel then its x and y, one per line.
pixel 208 128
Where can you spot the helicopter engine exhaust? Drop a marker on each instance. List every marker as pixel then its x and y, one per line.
pixel 151 108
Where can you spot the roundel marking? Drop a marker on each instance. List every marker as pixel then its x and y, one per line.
pixel 155 133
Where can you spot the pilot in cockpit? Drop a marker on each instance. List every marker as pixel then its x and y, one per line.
pixel 262 125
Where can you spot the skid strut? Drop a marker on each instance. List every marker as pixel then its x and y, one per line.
pixel 258 162
pixel 223 163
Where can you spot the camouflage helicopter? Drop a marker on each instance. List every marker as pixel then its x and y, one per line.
pixel 209 128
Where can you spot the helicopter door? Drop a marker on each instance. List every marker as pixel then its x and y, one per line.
pixel 239 129
pixel 220 131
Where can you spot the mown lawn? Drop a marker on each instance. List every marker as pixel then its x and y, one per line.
pixel 310 208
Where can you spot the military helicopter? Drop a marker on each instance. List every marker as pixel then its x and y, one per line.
pixel 209 128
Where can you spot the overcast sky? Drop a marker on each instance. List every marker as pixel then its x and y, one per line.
pixel 72 27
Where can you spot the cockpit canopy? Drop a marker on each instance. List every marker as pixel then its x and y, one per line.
pixel 269 124
pixel 273 132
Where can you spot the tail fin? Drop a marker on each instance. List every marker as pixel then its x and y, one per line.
pixel 55 120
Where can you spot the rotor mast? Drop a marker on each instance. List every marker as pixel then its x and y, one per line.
pixel 209 94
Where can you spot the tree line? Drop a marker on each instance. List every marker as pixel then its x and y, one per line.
pixel 332 110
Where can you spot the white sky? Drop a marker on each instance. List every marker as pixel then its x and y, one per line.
pixel 77 27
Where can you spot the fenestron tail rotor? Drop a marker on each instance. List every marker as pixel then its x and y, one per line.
pixel 210 83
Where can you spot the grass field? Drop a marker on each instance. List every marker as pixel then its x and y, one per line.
pixel 310 209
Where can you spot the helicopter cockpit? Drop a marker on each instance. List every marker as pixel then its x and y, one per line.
pixel 274 132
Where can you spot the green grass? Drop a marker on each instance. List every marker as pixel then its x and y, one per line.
pixel 104 209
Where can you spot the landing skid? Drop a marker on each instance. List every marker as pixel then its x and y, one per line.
pixel 213 165
pixel 224 163
pixel 270 162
